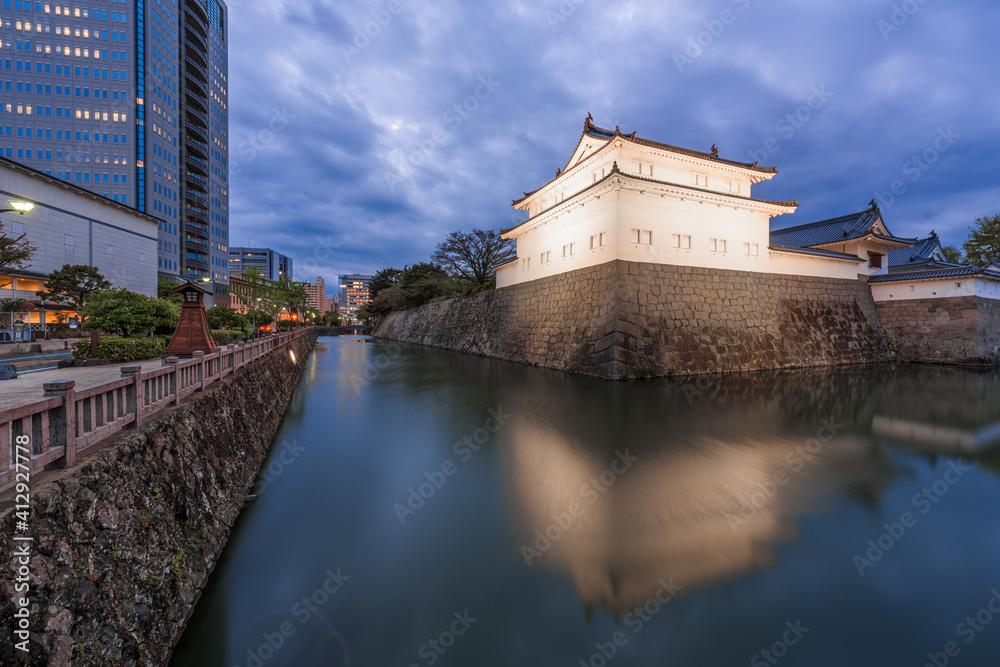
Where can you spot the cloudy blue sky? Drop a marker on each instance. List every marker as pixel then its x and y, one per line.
pixel 348 155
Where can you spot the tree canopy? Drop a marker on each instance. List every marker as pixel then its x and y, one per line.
pixel 221 317
pixel 165 290
pixel 15 253
pixel 73 285
pixel 119 311
pixel 473 256
pixel 983 245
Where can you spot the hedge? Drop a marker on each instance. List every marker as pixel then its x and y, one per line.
pixel 227 336
pixel 121 349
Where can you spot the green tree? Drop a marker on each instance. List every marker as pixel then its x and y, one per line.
pixel 260 298
pixel 12 305
pixel 473 256
pixel 15 254
pixel 983 245
pixel 73 285
pixel 221 317
pixel 383 279
pixel 952 254
pixel 423 283
pixel 167 314
pixel 291 296
pixel 165 290
pixel 119 311
pixel 331 320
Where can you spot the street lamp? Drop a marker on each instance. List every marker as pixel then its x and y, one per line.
pixel 21 207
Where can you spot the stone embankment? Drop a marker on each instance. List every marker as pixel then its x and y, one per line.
pixel 125 541
pixel 955 330
pixel 623 319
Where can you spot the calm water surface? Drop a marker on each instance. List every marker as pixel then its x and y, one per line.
pixel 421 507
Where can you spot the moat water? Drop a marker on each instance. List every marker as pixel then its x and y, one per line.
pixel 421 507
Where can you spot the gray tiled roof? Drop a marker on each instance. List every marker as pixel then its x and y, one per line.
pixel 835 230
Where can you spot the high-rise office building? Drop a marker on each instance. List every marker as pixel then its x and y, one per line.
pixel 127 99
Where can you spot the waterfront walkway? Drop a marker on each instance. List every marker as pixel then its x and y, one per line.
pixel 28 387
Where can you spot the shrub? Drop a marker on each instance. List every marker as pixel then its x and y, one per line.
pixel 121 349
pixel 228 336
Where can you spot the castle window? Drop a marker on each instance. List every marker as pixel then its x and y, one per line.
pixel 874 260
pixel 717 245
pixel 569 250
pixel 681 241
pixel 701 180
pixel 597 241
pixel 545 258
pixel 734 187
pixel 750 249
pixel 645 169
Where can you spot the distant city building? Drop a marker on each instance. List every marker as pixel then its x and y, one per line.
pixel 270 264
pixel 133 106
pixel 316 294
pixel 70 225
pixel 353 295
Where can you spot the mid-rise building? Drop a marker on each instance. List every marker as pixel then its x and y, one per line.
pixel 353 295
pixel 70 225
pixel 316 294
pixel 127 99
pixel 266 262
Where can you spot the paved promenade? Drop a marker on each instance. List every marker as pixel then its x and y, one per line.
pixel 28 387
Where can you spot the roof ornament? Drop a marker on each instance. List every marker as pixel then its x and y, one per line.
pixel 873 206
pixel 632 136
pixel 618 130
pixel 589 122
pixel 715 151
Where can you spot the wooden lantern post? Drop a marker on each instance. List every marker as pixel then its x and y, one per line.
pixel 192 333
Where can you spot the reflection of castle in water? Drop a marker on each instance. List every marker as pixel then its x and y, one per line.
pixel 721 475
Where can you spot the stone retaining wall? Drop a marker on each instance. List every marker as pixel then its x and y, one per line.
pixel 125 542
pixel 953 330
pixel 625 319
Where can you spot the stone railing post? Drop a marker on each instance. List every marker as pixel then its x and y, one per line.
pixel 62 422
pixel 231 355
pixel 134 399
pixel 199 356
pixel 217 351
pixel 175 380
